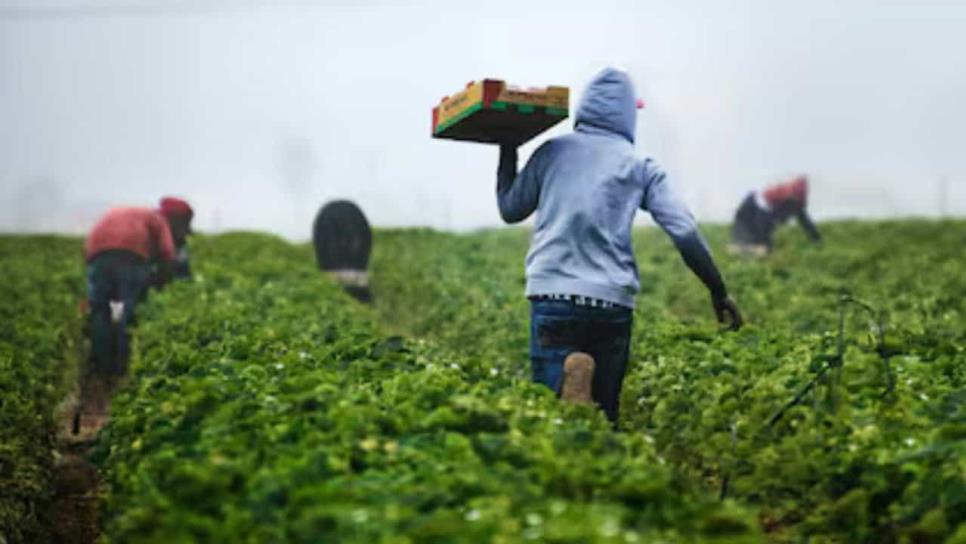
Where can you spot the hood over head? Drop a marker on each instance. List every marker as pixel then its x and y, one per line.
pixel 179 215
pixel 173 207
pixel 610 104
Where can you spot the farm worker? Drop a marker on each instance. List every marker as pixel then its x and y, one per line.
pixel 343 242
pixel 119 251
pixel 582 277
pixel 761 212
pixel 179 215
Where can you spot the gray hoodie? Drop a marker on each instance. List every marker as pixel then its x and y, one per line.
pixel 586 187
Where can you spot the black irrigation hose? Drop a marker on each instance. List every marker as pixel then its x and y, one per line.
pixel 797 399
pixel 837 360
pixel 726 479
pixel 878 319
pixel 833 362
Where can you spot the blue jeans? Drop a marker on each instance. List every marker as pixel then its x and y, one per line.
pixel 113 276
pixel 559 328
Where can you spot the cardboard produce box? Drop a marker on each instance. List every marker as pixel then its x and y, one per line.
pixel 490 111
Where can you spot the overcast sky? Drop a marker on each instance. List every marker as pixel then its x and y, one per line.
pixel 259 111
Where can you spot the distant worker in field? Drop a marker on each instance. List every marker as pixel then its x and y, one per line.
pixel 761 212
pixel 343 242
pixel 179 215
pixel 581 273
pixel 120 251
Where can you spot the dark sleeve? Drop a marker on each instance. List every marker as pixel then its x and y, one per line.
pixel 808 226
pixel 674 217
pixel 517 195
pixel 698 257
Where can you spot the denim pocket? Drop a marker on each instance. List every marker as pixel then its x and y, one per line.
pixel 558 333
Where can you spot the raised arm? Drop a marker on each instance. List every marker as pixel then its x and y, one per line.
pixel 517 195
pixel 674 217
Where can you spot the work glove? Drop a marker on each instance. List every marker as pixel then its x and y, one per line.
pixel 727 312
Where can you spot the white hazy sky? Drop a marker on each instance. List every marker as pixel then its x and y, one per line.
pixel 259 111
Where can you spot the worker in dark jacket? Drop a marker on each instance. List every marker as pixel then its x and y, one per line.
pixel 342 239
pixel 119 251
pixel 761 212
pixel 582 278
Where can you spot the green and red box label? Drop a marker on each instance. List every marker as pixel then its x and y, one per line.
pixel 491 111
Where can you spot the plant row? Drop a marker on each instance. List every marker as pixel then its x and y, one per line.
pixel 40 345
pixel 266 406
pixel 830 436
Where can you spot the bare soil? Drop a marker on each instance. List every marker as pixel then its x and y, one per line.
pixel 75 508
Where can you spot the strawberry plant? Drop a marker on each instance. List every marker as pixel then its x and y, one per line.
pixel 874 452
pixel 39 347
pixel 265 406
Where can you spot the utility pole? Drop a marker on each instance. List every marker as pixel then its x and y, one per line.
pixel 943 197
pixel 216 220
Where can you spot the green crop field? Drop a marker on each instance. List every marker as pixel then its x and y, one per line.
pixel 40 345
pixel 264 405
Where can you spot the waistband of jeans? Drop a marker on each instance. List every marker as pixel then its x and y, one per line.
pixel 123 255
pixel 579 300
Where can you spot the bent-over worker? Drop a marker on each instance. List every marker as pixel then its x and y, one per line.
pixel 761 212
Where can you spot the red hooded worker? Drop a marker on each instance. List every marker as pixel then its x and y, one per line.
pixel 119 252
pixel 761 212
pixel 123 251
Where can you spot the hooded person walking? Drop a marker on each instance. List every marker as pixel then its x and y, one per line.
pixel 582 277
